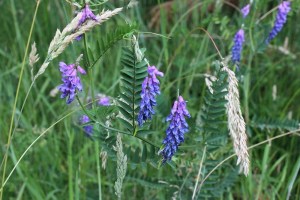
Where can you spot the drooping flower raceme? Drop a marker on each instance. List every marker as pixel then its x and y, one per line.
pixel 71 82
pixel 150 89
pixel 176 130
pixel 238 40
pixel 245 10
pixel 281 17
pixel 88 129
pixel 86 14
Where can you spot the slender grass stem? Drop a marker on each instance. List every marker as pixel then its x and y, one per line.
pixel 199 173
pixel 181 45
pixel 35 141
pixel 90 70
pixel 97 153
pixel 16 97
pixel 70 165
pixel 251 147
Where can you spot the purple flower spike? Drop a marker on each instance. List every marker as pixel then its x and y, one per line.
pixel 71 82
pixel 245 10
pixel 86 14
pixel 238 40
pixel 104 101
pixel 176 130
pixel 88 129
pixel 150 89
pixel 283 9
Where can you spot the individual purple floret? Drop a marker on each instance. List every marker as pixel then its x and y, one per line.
pixel 176 130
pixel 70 70
pixel 104 101
pixel 71 82
pixel 86 14
pixel 88 129
pixel 245 10
pixel 238 40
pixel 150 88
pixel 283 9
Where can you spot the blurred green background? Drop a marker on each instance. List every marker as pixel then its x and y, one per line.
pixel 62 164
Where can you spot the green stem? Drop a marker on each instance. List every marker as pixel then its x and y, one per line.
pixel 113 129
pixel 90 71
pixel 70 166
pixel 16 97
pixel 98 168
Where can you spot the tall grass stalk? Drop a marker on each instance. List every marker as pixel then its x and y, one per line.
pixel 97 156
pixel 16 97
pixel 199 173
pixel 97 152
pixel 70 163
pixel 264 171
pixel 249 148
pixel 35 141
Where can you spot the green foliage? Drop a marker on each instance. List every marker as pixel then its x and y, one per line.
pixel 214 133
pixel 70 157
pixel 108 41
pixel 142 155
pixel 213 112
pixel 273 124
pixel 132 77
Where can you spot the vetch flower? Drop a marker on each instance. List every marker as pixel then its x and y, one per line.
pixel 283 9
pixel 71 82
pixel 238 40
pixel 176 130
pixel 69 87
pixel 150 89
pixel 70 70
pixel 88 129
pixel 86 14
pixel 104 101
pixel 245 10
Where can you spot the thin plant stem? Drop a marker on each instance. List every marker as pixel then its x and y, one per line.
pixel 251 147
pixel 29 147
pixel 17 95
pixel 113 129
pixel 265 15
pixel 98 168
pixel 90 70
pixel 181 45
pixel 70 165
pixel 199 173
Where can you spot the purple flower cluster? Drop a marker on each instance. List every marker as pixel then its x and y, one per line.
pixel 88 129
pixel 86 14
pixel 283 9
pixel 245 10
pixel 176 130
pixel 238 40
pixel 71 82
pixel 150 88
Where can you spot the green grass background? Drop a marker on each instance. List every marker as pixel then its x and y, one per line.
pixel 62 165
